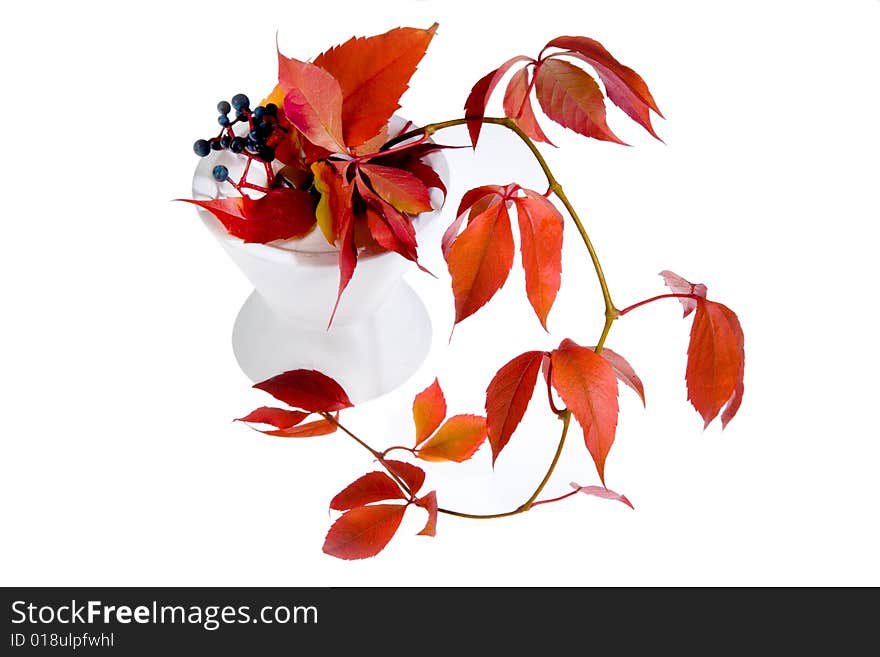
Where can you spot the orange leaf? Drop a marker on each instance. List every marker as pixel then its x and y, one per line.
pixel 373 73
pixel 308 430
pixel 508 396
pixel 624 372
pixel 306 389
pixel 540 229
pixel 716 361
pixel 372 487
pixel 475 105
pixel 279 418
pixel 518 105
pixel 572 98
pixel 400 188
pixel 601 491
pixel 588 387
pixel 429 504
pixel 312 102
pixel 457 440
pixel 429 410
pixel 625 87
pixel 681 286
pixel 413 476
pixel 476 200
pixel 279 215
pixel 363 531
pixel 480 260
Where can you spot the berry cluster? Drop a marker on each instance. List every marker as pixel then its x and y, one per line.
pixel 264 133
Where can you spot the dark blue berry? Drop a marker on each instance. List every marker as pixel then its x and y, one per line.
pixel 255 136
pixel 272 109
pixel 240 101
pixel 266 153
pixel 202 147
pixel 223 120
pixel 223 107
pixel 220 173
pixel 241 116
pixel 259 112
pixel 225 140
pixel 237 145
pixel 215 145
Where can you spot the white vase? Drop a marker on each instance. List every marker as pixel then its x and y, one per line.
pixel 381 332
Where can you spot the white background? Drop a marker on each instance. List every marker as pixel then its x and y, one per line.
pixel 120 465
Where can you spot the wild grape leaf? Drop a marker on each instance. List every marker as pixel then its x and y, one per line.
pixel 678 285
pixel 476 201
pixel 400 188
pixel 518 105
pixel 572 98
pixel 279 418
pixel 480 259
pixel 457 440
pixel 625 87
pixel 279 215
pixel 312 102
pixel 335 217
pixel 624 371
pixel 413 476
pixel 540 230
pixel 371 487
pixel 588 387
pixel 320 427
pixel 429 503
pixel 601 491
pixel 429 411
pixel 716 361
pixel 390 228
pixel 427 174
pixel 475 105
pixel 363 531
pixel 306 389
pixel 507 397
pixel 373 73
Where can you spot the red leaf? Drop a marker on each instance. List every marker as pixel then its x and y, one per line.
pixel 413 476
pixel 624 86
pixel 475 105
pixel 425 173
pixel 601 491
pixel 308 430
pixel 508 396
pixel 372 487
pixel 400 188
pixel 312 102
pixel 716 361
pixel 392 229
pixel 480 260
pixel 336 218
pixel 678 285
pixel 479 197
pixel 540 229
pixel 517 105
pixel 457 440
pixel 306 389
pixel 373 73
pixel 279 215
pixel 363 531
pixel 279 418
pixel 572 98
pixel 624 371
pixel 429 503
pixel 588 387
pixel 429 410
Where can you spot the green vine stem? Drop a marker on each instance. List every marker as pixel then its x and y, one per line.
pixel 611 313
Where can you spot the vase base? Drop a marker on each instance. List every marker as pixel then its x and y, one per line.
pixel 368 358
